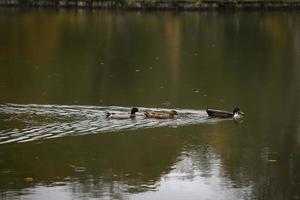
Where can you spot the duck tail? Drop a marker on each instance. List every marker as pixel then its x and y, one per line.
pixel 107 114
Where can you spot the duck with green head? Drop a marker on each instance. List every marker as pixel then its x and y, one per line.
pixel 236 113
pixel 130 115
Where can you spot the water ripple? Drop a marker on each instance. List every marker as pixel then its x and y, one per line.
pixel 30 122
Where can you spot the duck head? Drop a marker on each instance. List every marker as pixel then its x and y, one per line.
pixel 173 112
pixel 134 110
pixel 237 111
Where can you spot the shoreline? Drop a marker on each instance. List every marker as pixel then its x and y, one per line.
pixel 157 4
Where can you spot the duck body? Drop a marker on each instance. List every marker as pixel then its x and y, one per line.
pixel 219 113
pixel 161 114
pixel 130 115
pixel 236 113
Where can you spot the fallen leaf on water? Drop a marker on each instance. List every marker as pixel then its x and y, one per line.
pixel 73 166
pixel 28 179
pixel 39 142
pixel 272 161
pixel 80 169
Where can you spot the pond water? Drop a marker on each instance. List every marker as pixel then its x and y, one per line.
pixel 60 70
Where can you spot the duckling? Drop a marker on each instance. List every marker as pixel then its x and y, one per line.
pixel 236 113
pixel 122 115
pixel 161 114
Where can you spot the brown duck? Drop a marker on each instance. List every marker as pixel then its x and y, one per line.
pixel 161 114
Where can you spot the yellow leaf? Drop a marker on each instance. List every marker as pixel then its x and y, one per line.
pixel 28 179
pixel 272 161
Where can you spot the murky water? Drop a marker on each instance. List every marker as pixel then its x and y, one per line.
pixel 60 70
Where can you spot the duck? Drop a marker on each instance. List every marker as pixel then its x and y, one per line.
pixel 122 115
pixel 161 114
pixel 236 113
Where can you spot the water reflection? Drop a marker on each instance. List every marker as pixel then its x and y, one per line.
pixel 206 160
pixel 98 57
pixel 115 166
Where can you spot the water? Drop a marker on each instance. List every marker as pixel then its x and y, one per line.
pixel 24 123
pixel 60 70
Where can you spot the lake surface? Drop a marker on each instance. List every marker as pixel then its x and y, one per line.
pixel 60 70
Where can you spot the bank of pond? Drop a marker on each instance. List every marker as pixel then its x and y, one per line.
pixel 157 4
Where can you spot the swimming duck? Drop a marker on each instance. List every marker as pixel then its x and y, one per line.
pixel 122 115
pixel 161 114
pixel 236 113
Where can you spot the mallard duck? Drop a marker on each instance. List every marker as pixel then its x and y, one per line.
pixel 161 114
pixel 236 113
pixel 122 115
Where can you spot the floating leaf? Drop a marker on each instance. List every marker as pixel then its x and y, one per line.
pixel 272 161
pixel 28 179
pixel 140 173
pixel 72 166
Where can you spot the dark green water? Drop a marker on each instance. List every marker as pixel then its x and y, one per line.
pixel 83 62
